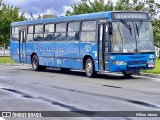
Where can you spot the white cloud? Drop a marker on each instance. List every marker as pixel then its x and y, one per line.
pixel 57 7
pixel 39 7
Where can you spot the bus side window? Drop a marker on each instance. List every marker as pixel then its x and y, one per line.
pixel 49 32
pixel 38 35
pixel 60 34
pixel 14 33
pixel 88 31
pixel 73 31
pixel 30 33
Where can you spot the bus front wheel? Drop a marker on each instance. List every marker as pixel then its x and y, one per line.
pixel 35 64
pixel 89 68
pixel 127 74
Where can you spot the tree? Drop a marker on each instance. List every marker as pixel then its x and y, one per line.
pixel 8 14
pixel 41 16
pixel 122 5
pixel 156 32
pixel 89 7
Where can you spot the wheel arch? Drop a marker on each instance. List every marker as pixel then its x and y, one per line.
pixel 33 55
pixel 85 58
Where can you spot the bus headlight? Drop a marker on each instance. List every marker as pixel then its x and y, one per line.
pixel 150 63
pixel 119 62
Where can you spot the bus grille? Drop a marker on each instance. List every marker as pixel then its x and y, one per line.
pixel 136 62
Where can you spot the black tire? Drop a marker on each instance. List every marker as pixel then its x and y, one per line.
pixel 35 64
pixel 89 68
pixel 127 74
pixel 65 69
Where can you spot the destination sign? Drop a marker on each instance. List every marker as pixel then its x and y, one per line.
pixel 130 15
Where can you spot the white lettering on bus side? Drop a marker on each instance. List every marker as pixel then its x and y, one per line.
pixel 39 47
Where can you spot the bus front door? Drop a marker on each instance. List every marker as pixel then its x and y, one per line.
pixel 22 46
pixel 103 47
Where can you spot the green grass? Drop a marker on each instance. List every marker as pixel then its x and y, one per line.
pixel 156 70
pixel 6 60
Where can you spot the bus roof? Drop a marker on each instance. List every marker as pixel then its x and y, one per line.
pixel 65 18
pixel 105 14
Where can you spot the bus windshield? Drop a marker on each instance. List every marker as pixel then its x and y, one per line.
pixel 132 37
pixel 144 37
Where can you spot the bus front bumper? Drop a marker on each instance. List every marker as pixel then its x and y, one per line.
pixel 122 67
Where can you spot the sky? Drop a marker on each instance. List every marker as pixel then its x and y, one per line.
pixel 56 7
pixel 40 7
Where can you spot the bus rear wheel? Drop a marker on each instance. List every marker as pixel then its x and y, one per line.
pixel 35 64
pixel 89 68
pixel 65 70
pixel 127 74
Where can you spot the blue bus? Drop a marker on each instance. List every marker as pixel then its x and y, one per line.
pixel 96 42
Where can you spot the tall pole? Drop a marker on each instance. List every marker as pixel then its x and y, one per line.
pixel 4 49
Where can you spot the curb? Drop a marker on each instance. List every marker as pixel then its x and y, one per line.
pixel 149 75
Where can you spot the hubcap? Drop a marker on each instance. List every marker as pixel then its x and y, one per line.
pixel 34 63
pixel 89 68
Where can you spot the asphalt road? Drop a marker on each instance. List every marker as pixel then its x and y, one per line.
pixel 22 89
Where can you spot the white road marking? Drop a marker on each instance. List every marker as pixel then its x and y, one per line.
pixel 2 77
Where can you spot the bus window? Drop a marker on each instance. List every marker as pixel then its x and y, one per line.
pixel 72 36
pixel 14 35
pixel 61 27
pixel 73 31
pixel 12 30
pixel 60 34
pixel 88 25
pixel 88 31
pixel 16 31
pixel 38 28
pixel 123 40
pixel 49 32
pixel 30 33
pixel 30 29
pixel 144 35
pixel 73 26
pixel 38 35
pixel 117 39
pixel 87 36
pixel 49 28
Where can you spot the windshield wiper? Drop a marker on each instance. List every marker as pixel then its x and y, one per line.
pixel 119 33
pixel 120 36
pixel 140 24
pixel 127 26
pixel 138 27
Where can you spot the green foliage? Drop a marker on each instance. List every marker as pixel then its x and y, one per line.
pixel 122 5
pixel 156 70
pixel 156 32
pixel 8 14
pixel 89 7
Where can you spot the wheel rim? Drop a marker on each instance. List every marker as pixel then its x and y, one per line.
pixel 89 68
pixel 35 62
